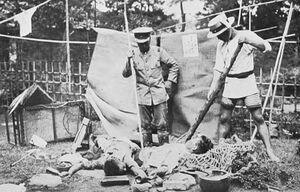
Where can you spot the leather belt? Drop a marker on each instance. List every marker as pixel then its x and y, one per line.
pixel 241 75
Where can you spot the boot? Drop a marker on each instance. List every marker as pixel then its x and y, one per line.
pixel 147 139
pixel 163 137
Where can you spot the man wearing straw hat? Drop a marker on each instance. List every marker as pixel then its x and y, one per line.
pixel 152 90
pixel 240 83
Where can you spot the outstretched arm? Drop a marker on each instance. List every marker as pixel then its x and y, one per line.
pixel 85 165
pixel 133 166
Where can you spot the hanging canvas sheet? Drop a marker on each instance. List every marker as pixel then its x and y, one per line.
pixel 113 97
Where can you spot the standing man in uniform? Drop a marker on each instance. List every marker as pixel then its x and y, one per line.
pixel 240 83
pixel 152 91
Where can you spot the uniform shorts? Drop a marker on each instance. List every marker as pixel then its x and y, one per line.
pixel 251 101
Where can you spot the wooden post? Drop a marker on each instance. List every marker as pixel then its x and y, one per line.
pixel 14 127
pixel 18 125
pixel 22 131
pixel 53 124
pixel 68 78
pixel 7 127
pixel 283 93
pixel 60 82
pixel 47 77
pixel 52 81
pixel 23 76
pixel 260 82
pixel 73 73
pixel 250 124
pixel 68 46
pixel 79 81
pixel 26 78
pixel 33 71
pixel 295 93
pixel 249 24
pixel 282 107
pixel 240 2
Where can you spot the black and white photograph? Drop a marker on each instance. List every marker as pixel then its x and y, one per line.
pixel 149 95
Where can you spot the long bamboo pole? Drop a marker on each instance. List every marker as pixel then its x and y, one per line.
pixel 133 75
pixel 276 84
pixel 280 62
pixel 240 11
pixel 68 46
pixel 278 55
pixel 277 64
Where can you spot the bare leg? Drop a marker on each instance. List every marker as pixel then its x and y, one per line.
pixel 264 132
pixel 224 122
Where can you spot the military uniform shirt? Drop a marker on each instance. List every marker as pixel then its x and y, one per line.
pixel 149 74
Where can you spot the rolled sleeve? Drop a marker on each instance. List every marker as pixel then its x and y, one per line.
pixel 251 38
pixel 171 63
pixel 219 65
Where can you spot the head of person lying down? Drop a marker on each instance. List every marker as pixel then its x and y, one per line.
pixel 199 145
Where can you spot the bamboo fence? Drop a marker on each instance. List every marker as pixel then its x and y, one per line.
pixel 51 76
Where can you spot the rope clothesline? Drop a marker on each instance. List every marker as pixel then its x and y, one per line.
pixel 83 42
pixel 11 18
pixel 214 14
pixel 45 40
pixel 93 42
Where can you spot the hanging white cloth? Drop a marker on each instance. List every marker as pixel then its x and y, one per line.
pixel 24 20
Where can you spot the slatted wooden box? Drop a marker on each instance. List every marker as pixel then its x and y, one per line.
pixel 47 119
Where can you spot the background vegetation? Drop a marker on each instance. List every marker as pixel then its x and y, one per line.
pixel 49 22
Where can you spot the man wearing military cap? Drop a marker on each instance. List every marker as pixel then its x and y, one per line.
pixel 240 83
pixel 152 90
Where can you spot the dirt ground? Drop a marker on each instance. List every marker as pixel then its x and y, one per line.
pixel 21 172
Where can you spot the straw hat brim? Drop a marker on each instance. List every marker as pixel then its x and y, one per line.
pixel 228 25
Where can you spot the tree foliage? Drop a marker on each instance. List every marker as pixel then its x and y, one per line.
pixel 49 23
pixel 139 13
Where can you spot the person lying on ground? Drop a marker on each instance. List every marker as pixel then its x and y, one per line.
pixel 114 156
pixel 162 160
